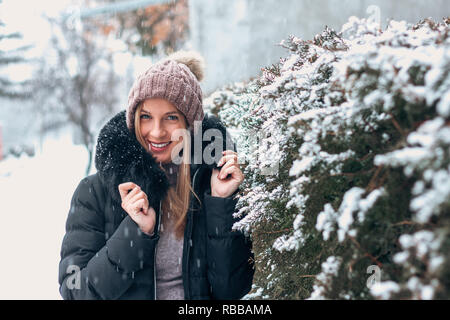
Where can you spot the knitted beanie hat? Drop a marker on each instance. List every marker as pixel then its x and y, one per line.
pixel 176 79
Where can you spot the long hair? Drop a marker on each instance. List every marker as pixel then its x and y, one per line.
pixel 176 204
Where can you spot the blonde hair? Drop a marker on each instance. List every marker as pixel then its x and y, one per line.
pixel 176 203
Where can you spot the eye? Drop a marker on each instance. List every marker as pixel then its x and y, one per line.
pixel 172 117
pixel 144 116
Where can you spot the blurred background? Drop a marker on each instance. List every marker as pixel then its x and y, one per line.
pixel 66 67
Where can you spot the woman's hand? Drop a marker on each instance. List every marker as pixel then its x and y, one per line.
pixel 221 186
pixel 135 203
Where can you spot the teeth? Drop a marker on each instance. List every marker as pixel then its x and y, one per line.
pixel 161 145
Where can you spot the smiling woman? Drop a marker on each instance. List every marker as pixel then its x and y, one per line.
pixel 146 226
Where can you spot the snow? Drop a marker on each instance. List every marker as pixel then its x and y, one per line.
pixel 402 157
pixel 427 292
pixel 426 204
pixel 294 242
pixel 425 152
pixel 255 294
pixel 252 212
pixel 435 263
pixel 348 206
pixel 353 28
pixel 420 290
pixel 368 202
pixel 353 204
pixel 443 107
pixel 36 194
pixel 424 246
pixel 326 91
pixel 384 290
pixel 330 269
pixel 301 165
pixel 326 221
pixel 401 257
pixel 426 134
pixel 289 243
pixel 310 114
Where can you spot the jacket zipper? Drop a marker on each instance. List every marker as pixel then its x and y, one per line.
pixel 154 256
pixel 189 238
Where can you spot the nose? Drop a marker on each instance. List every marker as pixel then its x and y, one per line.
pixel 157 131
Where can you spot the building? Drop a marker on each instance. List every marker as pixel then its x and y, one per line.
pixel 238 37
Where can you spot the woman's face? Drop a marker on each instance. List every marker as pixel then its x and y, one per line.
pixel 158 120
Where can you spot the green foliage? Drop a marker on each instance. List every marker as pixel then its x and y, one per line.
pixel 356 125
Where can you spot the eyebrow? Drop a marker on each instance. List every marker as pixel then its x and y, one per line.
pixel 170 112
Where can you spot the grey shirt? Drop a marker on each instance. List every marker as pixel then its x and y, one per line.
pixel 169 254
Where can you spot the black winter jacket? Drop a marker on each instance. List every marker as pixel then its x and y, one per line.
pixel 104 254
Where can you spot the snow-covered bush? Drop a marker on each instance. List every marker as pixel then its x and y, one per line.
pixel 355 126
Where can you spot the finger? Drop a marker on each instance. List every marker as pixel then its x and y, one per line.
pixel 140 195
pixel 124 187
pixel 233 170
pixel 229 152
pixel 145 207
pixel 131 194
pixel 150 210
pixel 226 158
pixel 138 205
pixel 238 175
pixel 215 172
pixel 225 167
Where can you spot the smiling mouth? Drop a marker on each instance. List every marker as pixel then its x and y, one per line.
pixel 158 147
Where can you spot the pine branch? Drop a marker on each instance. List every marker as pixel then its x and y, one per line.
pixel 366 254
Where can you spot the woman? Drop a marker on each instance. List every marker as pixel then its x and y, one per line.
pixel 145 226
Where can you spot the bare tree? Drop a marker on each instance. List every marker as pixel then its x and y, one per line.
pixel 10 89
pixel 148 30
pixel 76 84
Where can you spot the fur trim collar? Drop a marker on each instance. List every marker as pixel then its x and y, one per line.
pixel 120 158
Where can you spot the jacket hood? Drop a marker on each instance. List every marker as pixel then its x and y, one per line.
pixel 120 157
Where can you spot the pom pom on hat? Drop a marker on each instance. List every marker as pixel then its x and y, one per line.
pixel 192 59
